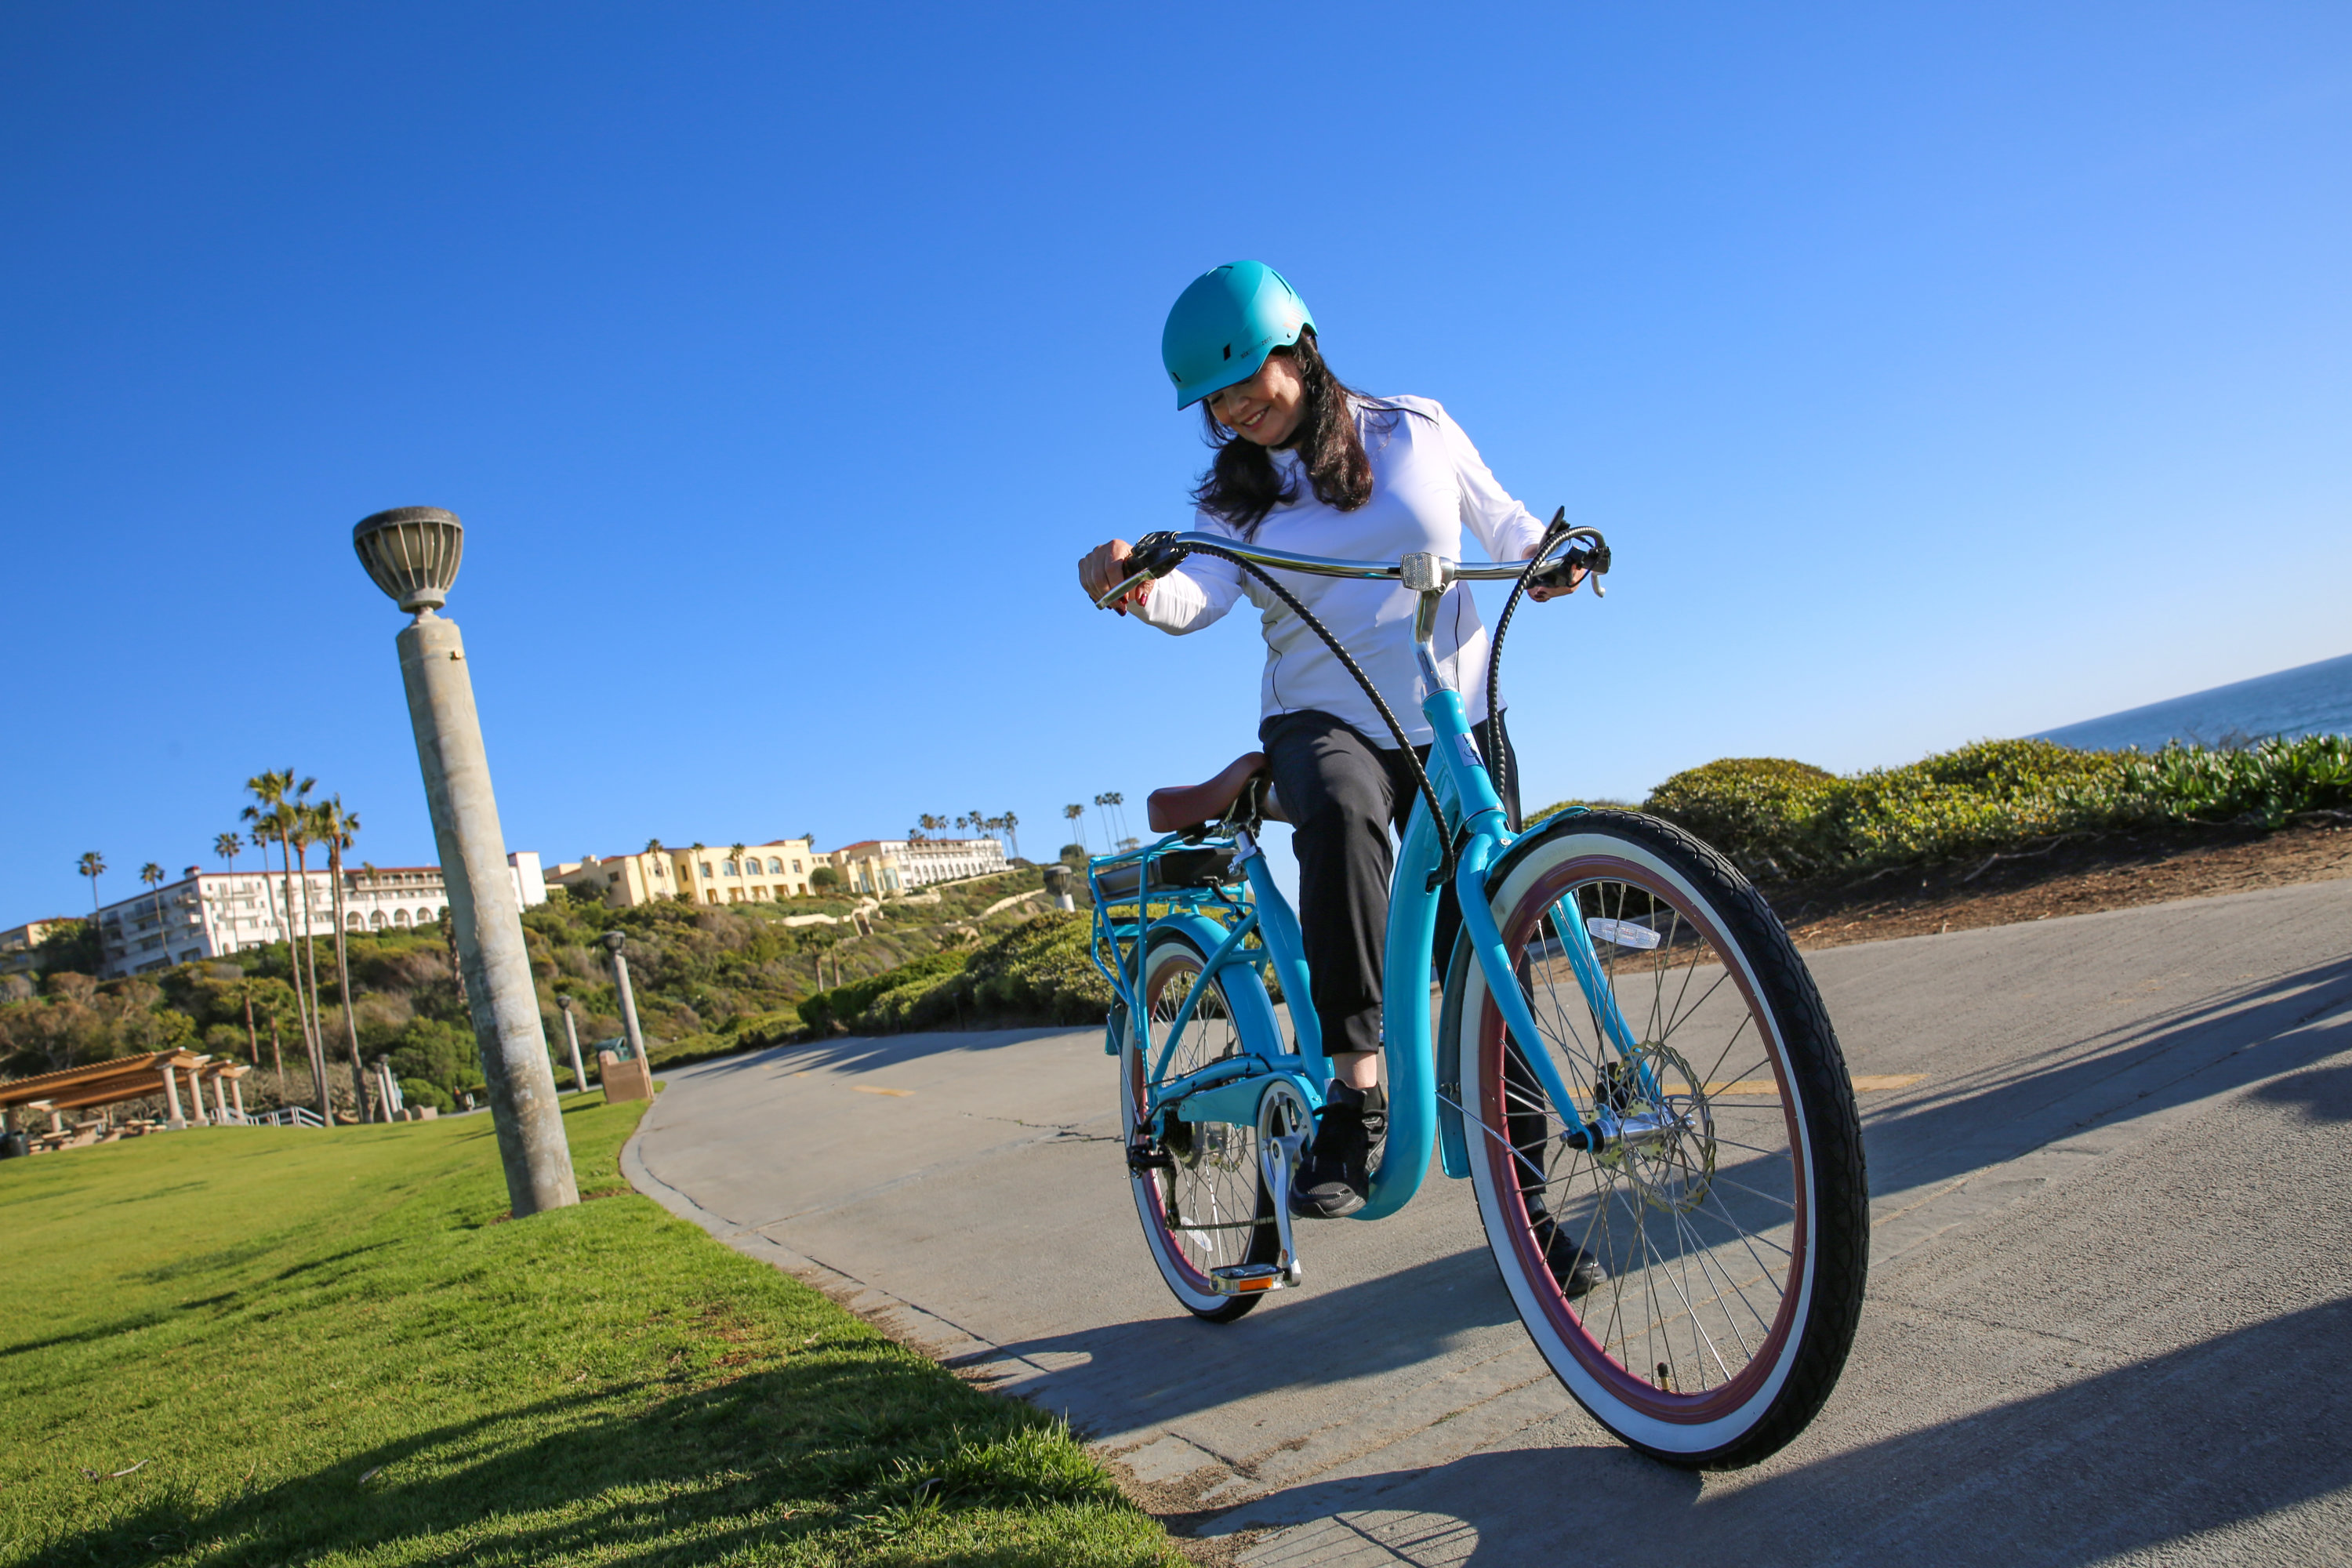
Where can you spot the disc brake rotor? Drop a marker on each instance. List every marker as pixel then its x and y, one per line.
pixel 1666 1147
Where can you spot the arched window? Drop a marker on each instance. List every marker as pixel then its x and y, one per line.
pixel 774 866
pixel 728 867
pixel 353 921
pixel 377 920
pixel 400 917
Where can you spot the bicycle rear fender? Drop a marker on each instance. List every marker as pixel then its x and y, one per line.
pixel 1253 1018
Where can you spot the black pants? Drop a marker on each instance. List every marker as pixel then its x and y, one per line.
pixel 1343 795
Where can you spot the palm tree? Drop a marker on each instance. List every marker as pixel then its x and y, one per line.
pixel 93 866
pixel 274 815
pixel 228 847
pixel 152 875
pixel 1102 807
pixel 1077 817
pixel 335 828
pixel 1119 809
pixel 302 833
pixel 736 851
pixel 1012 826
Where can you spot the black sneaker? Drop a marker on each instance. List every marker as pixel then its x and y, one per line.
pixel 1575 1270
pixel 1337 1171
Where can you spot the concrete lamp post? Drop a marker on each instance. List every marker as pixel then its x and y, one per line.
pixel 572 1039
pixel 612 941
pixel 412 553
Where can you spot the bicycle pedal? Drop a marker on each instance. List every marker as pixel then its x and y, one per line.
pixel 1246 1278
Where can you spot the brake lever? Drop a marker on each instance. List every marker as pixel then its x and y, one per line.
pixel 1149 551
pixel 1115 595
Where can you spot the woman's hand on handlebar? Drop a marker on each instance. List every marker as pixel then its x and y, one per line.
pixel 1539 593
pixel 1104 568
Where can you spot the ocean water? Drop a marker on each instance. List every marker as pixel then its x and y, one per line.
pixel 2310 700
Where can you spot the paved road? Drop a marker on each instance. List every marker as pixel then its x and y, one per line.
pixel 2110 1315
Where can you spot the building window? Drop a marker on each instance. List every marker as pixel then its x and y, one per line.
pixel 774 866
pixel 706 873
pixel 400 917
pixel 728 867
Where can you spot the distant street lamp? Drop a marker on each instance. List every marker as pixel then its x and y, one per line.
pixel 612 941
pixel 412 553
pixel 572 1039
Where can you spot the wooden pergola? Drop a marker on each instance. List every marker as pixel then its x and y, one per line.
pixel 107 1083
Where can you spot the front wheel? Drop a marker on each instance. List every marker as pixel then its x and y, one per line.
pixel 1711 1161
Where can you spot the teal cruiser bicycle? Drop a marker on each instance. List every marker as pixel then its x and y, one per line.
pixel 1629 1056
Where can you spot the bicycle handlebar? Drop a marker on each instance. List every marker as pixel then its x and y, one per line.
pixel 1156 554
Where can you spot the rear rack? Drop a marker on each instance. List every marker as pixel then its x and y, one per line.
pixel 1176 874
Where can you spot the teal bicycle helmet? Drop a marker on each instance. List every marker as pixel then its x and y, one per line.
pixel 1224 324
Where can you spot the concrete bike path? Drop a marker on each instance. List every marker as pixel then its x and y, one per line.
pixel 2110 1314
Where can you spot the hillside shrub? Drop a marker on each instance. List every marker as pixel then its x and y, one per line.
pixel 1777 818
pixel 1038 973
pixel 842 1004
pixel 1771 807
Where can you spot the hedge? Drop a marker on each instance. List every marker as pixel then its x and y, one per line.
pixel 1777 818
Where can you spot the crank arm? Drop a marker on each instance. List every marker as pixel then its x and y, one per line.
pixel 1280 1158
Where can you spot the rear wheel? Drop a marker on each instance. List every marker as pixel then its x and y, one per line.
pixel 1728 1205
pixel 1198 1189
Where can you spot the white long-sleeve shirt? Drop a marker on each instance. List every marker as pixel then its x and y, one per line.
pixel 1428 485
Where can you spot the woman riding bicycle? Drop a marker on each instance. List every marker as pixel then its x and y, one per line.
pixel 1303 464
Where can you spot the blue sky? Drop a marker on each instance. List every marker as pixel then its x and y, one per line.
pixel 1937 372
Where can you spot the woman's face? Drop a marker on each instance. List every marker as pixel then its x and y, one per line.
pixel 1267 407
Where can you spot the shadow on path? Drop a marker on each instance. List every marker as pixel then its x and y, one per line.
pixel 860 1053
pixel 2212 1435
pixel 1182 1366
pixel 2223 1043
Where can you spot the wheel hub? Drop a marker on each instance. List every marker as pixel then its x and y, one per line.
pixel 1663 1141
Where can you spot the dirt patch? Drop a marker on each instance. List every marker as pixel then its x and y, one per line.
pixel 2071 877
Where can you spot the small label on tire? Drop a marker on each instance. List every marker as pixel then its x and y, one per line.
pixel 1624 933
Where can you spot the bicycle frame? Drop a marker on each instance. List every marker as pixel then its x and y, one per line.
pixel 1418 1111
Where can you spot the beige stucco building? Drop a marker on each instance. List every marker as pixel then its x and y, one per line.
pixel 730 874
pixel 20 945
pixel 882 866
pixel 211 914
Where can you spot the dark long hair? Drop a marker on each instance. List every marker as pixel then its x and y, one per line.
pixel 1242 486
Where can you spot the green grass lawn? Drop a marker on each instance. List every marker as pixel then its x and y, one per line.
pixel 271 1346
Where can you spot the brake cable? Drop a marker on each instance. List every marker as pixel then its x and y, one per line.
pixel 1498 764
pixel 1556 534
pixel 1412 758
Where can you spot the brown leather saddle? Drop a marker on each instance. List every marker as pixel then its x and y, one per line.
pixel 1196 806
pixel 1242 793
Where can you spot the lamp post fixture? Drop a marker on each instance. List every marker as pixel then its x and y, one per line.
pixel 572 1039
pixel 612 941
pixel 412 553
